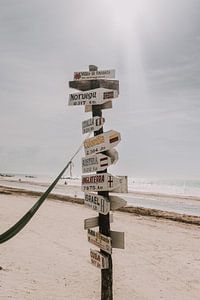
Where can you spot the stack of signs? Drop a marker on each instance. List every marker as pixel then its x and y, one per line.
pixel 96 88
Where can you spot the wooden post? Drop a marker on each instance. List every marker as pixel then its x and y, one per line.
pixel 104 220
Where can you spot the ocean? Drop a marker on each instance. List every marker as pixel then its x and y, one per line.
pixel 181 196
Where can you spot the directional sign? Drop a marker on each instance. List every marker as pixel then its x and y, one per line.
pixel 97 162
pixel 94 222
pixel 117 239
pixel 96 202
pixel 116 202
pixel 94 74
pixel 92 124
pixel 99 182
pixel 86 85
pixel 102 142
pixel 113 154
pixel 123 186
pixel 99 260
pixel 100 240
pixel 106 105
pixel 92 97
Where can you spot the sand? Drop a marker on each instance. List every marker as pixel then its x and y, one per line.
pixel 49 259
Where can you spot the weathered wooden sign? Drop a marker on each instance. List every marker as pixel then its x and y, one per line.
pixel 113 154
pixel 123 186
pixel 86 85
pixel 97 162
pixel 116 202
pixel 102 142
pixel 105 105
pixel 100 240
pixel 84 75
pixel 117 238
pixel 98 260
pixel 94 222
pixel 92 97
pixel 92 124
pixel 102 204
pixel 96 202
pixel 99 182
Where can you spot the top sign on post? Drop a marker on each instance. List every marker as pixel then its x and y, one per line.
pixel 94 74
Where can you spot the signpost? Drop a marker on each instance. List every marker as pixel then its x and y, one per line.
pixel 102 142
pixel 98 89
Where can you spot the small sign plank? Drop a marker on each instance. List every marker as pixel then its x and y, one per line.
pixel 92 124
pixel 106 105
pixel 97 162
pixel 99 182
pixel 102 142
pixel 116 202
pixel 99 74
pixel 123 186
pixel 117 239
pixel 98 260
pixel 94 222
pixel 100 240
pixel 92 97
pixel 85 85
pixel 97 202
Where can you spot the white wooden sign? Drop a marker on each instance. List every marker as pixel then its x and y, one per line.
pixel 84 75
pixel 100 240
pixel 123 186
pixel 117 239
pixel 97 162
pixel 113 154
pixel 106 105
pixel 98 260
pixel 102 142
pixel 116 202
pixel 96 202
pixel 92 97
pixel 94 222
pixel 99 182
pixel 92 124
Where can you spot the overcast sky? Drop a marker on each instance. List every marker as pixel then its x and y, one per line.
pixel 154 46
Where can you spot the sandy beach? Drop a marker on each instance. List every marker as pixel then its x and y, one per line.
pixel 49 259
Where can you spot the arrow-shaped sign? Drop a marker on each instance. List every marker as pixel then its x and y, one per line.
pixel 97 162
pixel 98 259
pixel 99 182
pixel 92 124
pixel 84 75
pixel 102 142
pixel 94 222
pixel 100 240
pixel 92 97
